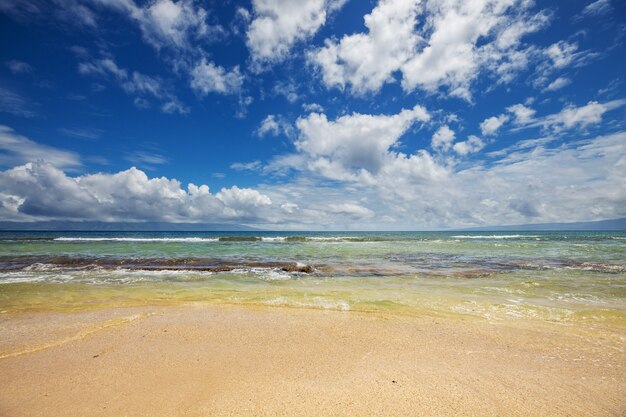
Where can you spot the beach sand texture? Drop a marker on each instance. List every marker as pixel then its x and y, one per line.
pixel 204 359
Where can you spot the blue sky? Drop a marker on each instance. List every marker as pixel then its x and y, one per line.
pixel 313 114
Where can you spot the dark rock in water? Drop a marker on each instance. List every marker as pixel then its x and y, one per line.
pixel 298 268
pixel 146 264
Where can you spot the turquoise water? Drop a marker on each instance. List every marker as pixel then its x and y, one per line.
pixel 554 276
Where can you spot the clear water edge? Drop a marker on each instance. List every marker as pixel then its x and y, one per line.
pixel 574 277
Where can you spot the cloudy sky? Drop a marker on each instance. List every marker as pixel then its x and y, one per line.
pixel 313 114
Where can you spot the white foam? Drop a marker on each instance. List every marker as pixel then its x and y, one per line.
pixel 494 236
pixel 332 238
pixel 316 302
pixel 137 239
pixel 266 274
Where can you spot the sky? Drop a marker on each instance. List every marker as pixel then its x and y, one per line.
pixel 313 114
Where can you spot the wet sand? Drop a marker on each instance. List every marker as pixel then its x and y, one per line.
pixel 197 360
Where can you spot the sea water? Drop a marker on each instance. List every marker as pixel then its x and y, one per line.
pixel 563 277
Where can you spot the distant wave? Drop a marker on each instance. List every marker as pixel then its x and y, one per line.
pixel 494 236
pixel 136 239
pixel 214 239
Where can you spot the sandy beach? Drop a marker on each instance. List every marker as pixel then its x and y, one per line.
pixel 231 360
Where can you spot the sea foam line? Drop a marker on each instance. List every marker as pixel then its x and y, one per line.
pixel 136 239
pixel 494 236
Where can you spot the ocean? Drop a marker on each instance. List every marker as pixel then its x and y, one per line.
pixel 564 277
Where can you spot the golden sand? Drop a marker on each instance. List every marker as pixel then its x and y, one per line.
pixel 198 360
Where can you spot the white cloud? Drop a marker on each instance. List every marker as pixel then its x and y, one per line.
pixel 558 84
pixel 176 25
pixel 71 12
pixel 443 138
pixel 247 166
pixel 146 159
pixel 562 53
pixel 558 56
pixel 207 77
pixel 178 30
pixel 134 83
pixel 104 67
pixel 87 133
pixel 353 143
pixel 532 183
pixel 353 210
pixel 575 117
pixel 312 107
pixel 471 145
pixel 442 43
pixel 366 61
pixel 40 191
pixel 287 89
pixel 174 106
pixel 582 116
pixel 44 191
pixel 598 8
pixel 19 67
pixel 242 199
pixel 491 125
pixel 16 149
pixel 274 125
pixel 13 103
pixel 278 24
pixel 523 114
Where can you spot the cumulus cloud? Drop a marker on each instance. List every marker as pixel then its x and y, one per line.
pixel 278 24
pixel 531 183
pixel 45 191
pixel 206 77
pixel 471 145
pixel 433 44
pixel 41 191
pixel 491 125
pixel 523 114
pixel 443 138
pixel 353 143
pixel 366 61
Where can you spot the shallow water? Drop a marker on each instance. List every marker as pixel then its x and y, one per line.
pixel 554 276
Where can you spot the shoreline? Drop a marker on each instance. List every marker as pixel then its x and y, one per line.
pixel 217 359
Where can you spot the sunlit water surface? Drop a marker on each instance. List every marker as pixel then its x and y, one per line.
pixel 564 277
